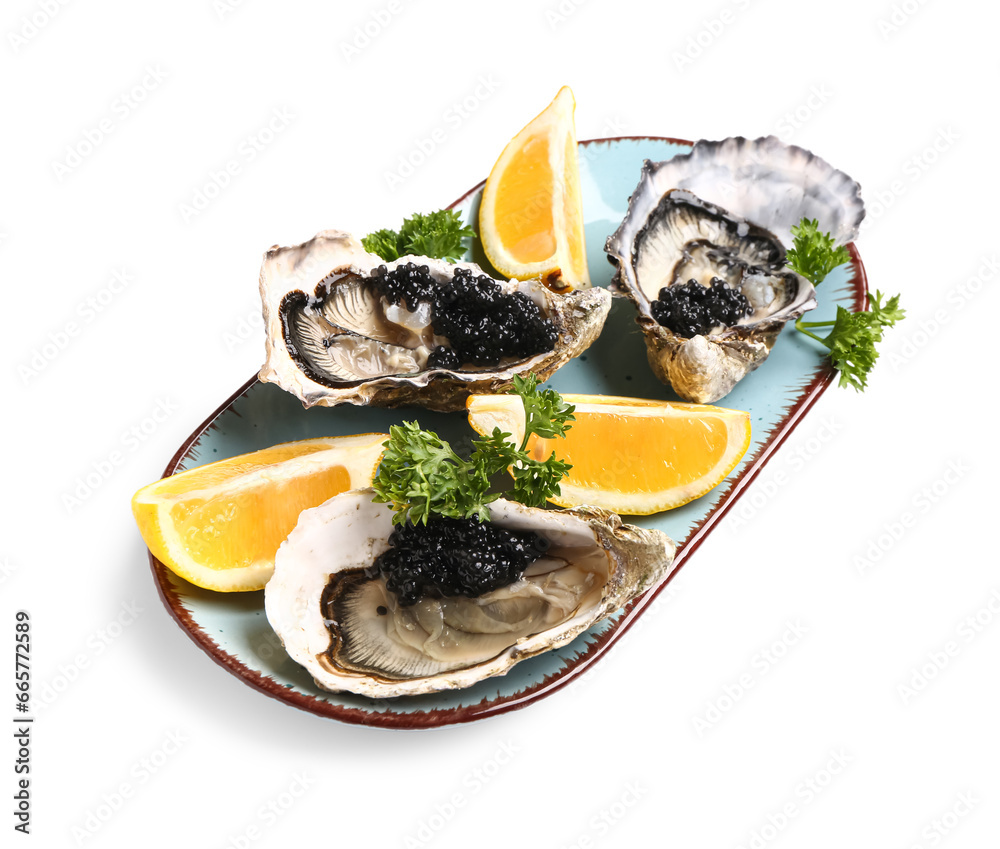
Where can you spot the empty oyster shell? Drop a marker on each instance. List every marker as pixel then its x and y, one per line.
pixel 332 340
pixel 347 630
pixel 681 238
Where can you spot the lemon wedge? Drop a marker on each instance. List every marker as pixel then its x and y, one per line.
pixel 629 455
pixel 219 525
pixel 531 213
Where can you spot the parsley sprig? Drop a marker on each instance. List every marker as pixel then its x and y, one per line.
pixel 436 234
pixel 546 416
pixel 421 475
pixel 813 254
pixel 853 335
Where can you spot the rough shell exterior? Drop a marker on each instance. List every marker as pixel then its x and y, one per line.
pixel 339 539
pixel 578 316
pixel 704 369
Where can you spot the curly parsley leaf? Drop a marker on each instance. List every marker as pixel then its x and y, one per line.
pixel 546 416
pixel 887 315
pixel 438 234
pixel 385 243
pixel 814 254
pixel 545 413
pixel 535 481
pixel 853 337
pixel 435 234
pixel 421 474
pixel 492 454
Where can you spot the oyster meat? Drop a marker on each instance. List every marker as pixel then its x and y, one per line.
pixel 725 211
pixel 351 634
pixel 333 337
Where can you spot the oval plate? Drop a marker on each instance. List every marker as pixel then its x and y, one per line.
pixel 232 627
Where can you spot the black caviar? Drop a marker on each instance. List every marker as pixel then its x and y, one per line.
pixel 690 309
pixel 454 557
pixel 482 323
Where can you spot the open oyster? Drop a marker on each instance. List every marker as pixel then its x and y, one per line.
pixel 350 633
pixel 684 239
pixel 732 222
pixel 334 337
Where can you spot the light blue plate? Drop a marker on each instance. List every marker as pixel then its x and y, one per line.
pixel 232 628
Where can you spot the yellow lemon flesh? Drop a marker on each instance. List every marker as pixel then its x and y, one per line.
pixel 220 525
pixel 531 213
pixel 629 455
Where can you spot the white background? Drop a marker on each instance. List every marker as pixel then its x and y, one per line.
pixel 901 96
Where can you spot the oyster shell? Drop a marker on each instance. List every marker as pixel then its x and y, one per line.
pixel 684 238
pixel 331 340
pixel 764 181
pixel 326 610
pixel 773 184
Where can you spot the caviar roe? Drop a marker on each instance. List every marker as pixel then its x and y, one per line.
pixel 454 557
pixel 482 323
pixel 690 309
